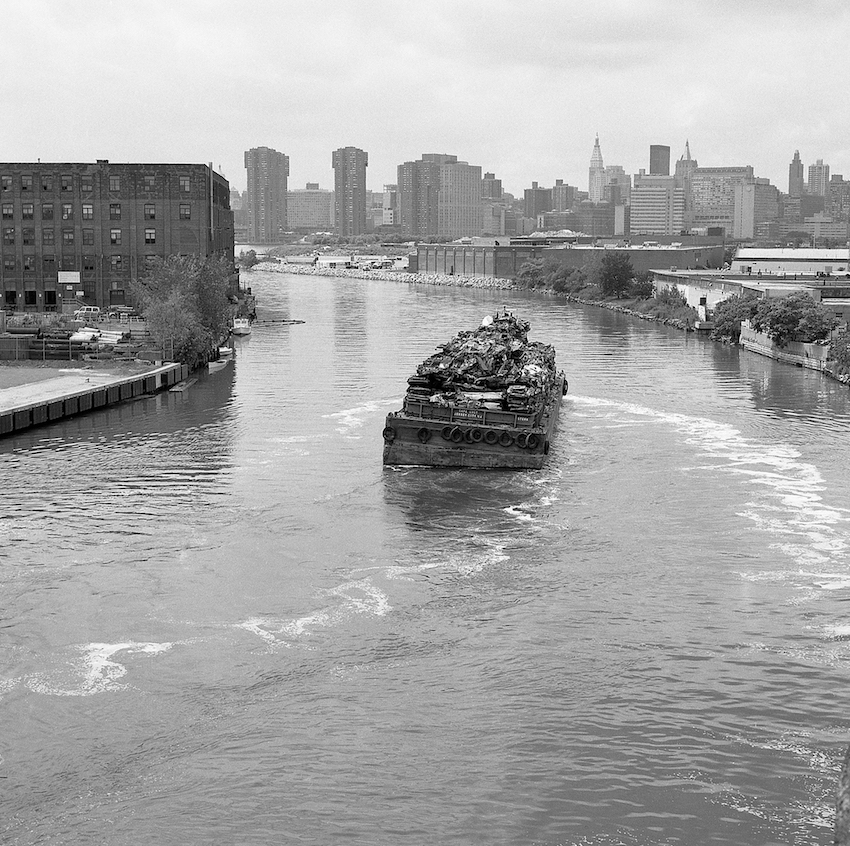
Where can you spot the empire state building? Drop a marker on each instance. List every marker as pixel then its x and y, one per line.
pixel 596 179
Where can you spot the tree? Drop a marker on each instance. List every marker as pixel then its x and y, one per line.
pixel 642 287
pixel 728 315
pixel 247 260
pixel 796 317
pixel 185 302
pixel 839 352
pixel 617 274
pixel 530 274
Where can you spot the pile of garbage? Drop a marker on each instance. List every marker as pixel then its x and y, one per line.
pixel 494 366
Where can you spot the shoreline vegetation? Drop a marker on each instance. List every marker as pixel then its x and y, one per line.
pixel 677 314
pixel 628 295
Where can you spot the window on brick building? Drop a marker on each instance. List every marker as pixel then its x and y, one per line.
pixel 150 262
pixel 115 211
pixel 29 298
pixel 117 262
pixel 67 236
pixel 67 211
pixel 8 211
pixel 114 183
pixel 115 236
pixel 150 236
pixel 11 297
pixel 185 184
pixel 49 299
pixel 185 211
pixel 9 264
pixel 28 237
pixel 27 211
pixel 150 211
pixel 67 183
pixel 6 183
pixel 88 236
pixel 47 211
pixel 88 211
pixel 47 236
pixel 150 182
pixel 86 182
pixel 29 264
pixel 9 236
pixel 69 262
pixel 26 182
pixel 48 265
pixel 88 264
pixel 47 182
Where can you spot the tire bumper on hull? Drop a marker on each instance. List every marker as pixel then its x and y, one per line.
pixel 447 455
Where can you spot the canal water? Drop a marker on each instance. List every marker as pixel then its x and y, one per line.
pixel 224 622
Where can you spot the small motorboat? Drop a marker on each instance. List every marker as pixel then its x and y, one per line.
pixel 225 352
pixel 241 326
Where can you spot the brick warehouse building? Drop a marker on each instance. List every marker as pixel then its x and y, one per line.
pixel 99 225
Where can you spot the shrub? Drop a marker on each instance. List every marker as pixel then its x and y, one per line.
pixel 796 317
pixel 728 315
pixel 642 287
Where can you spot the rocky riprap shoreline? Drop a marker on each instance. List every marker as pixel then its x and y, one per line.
pixel 457 281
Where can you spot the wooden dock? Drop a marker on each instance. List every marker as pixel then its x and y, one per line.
pixel 40 402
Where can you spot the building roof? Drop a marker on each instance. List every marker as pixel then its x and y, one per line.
pixel 793 254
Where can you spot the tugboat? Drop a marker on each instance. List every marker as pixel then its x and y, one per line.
pixel 488 398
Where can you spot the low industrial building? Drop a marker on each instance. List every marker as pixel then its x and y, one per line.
pixel 504 261
pixel 80 233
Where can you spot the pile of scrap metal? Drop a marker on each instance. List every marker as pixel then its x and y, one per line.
pixel 494 366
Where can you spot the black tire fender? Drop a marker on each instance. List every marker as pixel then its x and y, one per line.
pixel 389 434
pixel 424 435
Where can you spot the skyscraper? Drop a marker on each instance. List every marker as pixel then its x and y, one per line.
pixel 439 195
pixel 657 205
pixel 795 176
pixel 268 171
pixel 349 164
pixel 819 179
pixel 659 160
pixel 684 173
pixel 596 175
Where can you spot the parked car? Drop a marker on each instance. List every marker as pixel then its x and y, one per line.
pixel 122 313
pixel 87 313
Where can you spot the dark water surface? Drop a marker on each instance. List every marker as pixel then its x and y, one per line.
pixel 225 622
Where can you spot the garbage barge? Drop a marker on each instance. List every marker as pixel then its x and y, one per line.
pixel 488 398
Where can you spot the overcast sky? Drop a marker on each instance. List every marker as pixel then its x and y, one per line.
pixel 518 87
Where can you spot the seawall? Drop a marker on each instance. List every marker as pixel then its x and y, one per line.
pixel 34 404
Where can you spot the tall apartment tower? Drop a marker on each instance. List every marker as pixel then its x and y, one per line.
pixel 659 160
pixel 819 179
pixel 596 175
pixel 349 164
pixel 795 176
pixel 439 195
pixel 268 171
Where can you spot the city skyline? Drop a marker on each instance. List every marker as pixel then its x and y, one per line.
pixel 523 99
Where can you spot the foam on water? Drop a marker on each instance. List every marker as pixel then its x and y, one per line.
pixel 358 597
pixel 813 533
pixel 353 418
pixel 96 673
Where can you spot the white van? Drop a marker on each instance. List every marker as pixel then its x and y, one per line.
pixel 87 313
